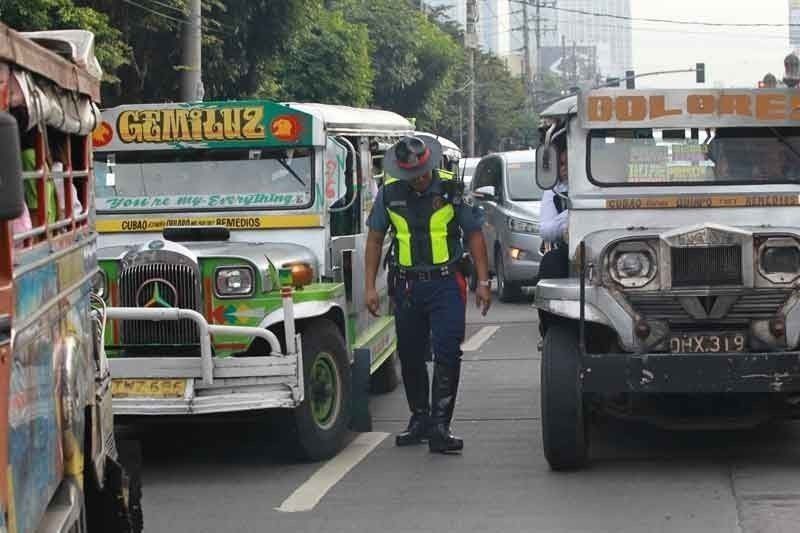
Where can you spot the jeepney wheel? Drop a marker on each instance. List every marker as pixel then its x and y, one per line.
pixel 507 291
pixel 321 420
pixel 565 433
pixel 386 378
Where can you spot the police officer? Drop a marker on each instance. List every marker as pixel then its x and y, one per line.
pixel 427 220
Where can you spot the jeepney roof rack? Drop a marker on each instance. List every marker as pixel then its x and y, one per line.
pixel 345 120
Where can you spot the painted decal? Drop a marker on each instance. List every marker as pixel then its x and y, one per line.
pixel 204 201
pixel 700 202
pixel 156 224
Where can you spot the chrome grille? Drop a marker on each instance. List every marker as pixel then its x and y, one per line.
pixel 181 332
pixel 756 305
pixel 706 266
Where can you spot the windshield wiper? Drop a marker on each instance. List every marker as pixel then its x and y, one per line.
pixel 291 171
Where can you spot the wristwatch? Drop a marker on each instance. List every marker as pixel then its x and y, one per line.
pixel 485 283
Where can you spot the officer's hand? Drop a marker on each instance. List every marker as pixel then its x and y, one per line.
pixel 373 302
pixel 483 299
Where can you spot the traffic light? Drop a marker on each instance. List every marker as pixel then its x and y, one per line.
pixel 700 72
pixel 630 80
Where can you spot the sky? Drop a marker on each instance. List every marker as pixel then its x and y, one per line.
pixel 734 57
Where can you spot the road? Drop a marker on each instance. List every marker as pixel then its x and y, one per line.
pixel 231 478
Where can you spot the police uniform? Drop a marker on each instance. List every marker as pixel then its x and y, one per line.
pixel 429 295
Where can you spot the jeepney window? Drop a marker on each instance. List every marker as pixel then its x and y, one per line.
pixel 204 179
pixel 685 157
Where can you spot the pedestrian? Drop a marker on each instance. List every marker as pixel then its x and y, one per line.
pixel 791 64
pixel 554 228
pixel 427 220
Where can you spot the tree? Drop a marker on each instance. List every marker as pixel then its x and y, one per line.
pixel 327 61
pixel 35 15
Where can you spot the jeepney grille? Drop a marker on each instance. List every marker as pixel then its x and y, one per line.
pixel 712 266
pixel 758 305
pixel 180 332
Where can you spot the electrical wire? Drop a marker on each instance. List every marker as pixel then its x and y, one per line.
pixel 164 15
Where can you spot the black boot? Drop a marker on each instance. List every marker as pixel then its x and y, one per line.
pixel 445 389
pixel 417 385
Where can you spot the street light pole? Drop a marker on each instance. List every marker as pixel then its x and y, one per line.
pixel 472 43
pixel 192 73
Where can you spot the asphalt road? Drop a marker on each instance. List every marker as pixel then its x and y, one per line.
pixel 232 478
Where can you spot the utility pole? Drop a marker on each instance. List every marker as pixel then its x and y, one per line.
pixel 192 73
pixel 471 37
pixel 526 56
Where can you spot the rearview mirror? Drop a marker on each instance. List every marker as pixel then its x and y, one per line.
pixel 546 167
pixel 11 169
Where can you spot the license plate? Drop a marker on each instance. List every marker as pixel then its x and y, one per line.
pixel 148 388
pixel 707 343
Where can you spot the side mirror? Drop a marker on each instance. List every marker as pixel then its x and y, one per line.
pixel 11 170
pixel 486 192
pixel 546 167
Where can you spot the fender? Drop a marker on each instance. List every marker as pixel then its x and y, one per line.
pixel 304 310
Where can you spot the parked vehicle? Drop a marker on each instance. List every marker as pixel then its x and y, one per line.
pixel 505 189
pixel 466 169
pixel 682 308
pixel 243 224
pixel 60 464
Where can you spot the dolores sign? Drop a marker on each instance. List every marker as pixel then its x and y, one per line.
pixel 203 125
pixel 682 108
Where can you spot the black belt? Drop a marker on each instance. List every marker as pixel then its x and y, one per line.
pixel 444 272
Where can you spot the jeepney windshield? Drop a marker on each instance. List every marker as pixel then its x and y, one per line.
pixel 522 182
pixel 204 179
pixel 681 157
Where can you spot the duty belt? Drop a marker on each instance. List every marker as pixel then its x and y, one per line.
pixel 444 272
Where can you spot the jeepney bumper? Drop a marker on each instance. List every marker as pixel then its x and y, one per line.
pixel 204 385
pixel 688 373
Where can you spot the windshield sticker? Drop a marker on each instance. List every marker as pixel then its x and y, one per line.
pixel 202 201
pixel 700 202
pixel 157 224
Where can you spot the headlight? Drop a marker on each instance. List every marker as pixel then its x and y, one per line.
pixel 779 259
pixel 234 281
pixel 632 264
pixel 99 284
pixel 522 226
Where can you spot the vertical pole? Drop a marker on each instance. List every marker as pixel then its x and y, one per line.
pixel 192 76
pixel 472 38
pixel 538 76
pixel 526 51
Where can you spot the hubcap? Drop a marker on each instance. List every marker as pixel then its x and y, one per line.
pixel 323 390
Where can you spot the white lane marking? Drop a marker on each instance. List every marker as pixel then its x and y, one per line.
pixel 476 341
pixel 308 495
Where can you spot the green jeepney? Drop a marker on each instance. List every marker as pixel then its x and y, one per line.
pixel 232 237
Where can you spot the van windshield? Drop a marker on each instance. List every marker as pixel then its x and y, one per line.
pixel 522 183
pixel 677 157
pixel 208 179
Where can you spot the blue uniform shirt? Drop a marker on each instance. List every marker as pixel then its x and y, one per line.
pixel 468 217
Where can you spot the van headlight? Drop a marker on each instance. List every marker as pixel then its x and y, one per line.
pixel 234 281
pixel 522 226
pixel 632 264
pixel 779 259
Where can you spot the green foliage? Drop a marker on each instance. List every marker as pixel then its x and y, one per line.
pixel 327 61
pixel 35 15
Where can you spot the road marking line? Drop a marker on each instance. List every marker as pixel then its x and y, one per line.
pixel 308 495
pixel 476 341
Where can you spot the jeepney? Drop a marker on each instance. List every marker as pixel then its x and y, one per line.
pixel 684 238
pixel 60 466
pixel 232 244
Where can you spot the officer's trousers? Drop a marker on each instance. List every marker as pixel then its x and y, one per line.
pixel 430 315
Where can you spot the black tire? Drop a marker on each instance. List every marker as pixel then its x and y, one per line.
pixel 564 430
pixel 309 438
pixel 130 456
pixel 117 507
pixel 387 377
pixel 506 291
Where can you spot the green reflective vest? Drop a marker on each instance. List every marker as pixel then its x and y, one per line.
pixel 426 232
